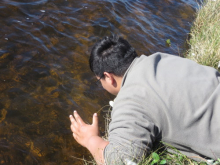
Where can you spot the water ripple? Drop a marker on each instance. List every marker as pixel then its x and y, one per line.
pixel 32 3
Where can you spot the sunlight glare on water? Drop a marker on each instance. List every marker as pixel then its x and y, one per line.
pixel 44 71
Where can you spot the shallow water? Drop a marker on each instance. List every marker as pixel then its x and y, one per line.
pixel 44 72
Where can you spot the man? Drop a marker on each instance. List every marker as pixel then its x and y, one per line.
pixel 159 98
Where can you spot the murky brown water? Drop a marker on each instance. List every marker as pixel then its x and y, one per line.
pixel 44 72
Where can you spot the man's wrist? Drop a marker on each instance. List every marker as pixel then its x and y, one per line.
pixel 93 141
pixel 96 146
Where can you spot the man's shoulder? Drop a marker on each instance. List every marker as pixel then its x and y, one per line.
pixel 158 54
pixel 156 57
pixel 146 62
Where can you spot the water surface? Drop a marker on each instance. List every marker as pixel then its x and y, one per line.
pixel 44 72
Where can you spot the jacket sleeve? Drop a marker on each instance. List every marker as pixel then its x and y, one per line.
pixel 131 132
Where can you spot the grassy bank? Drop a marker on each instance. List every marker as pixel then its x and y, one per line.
pixel 204 39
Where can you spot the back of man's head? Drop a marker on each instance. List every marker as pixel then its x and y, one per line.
pixel 111 54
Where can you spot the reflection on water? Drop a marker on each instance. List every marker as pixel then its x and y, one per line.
pixel 44 73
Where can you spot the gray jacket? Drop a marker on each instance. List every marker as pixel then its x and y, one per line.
pixel 165 98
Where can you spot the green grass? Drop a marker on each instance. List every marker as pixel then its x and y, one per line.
pixel 165 157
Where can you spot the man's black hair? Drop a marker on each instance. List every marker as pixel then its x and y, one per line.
pixel 111 54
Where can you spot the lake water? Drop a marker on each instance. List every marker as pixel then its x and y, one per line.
pixel 44 72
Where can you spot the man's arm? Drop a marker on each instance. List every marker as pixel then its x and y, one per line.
pixel 88 136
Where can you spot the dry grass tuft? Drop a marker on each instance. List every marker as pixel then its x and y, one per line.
pixel 205 35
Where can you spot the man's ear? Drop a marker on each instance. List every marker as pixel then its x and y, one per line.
pixel 109 78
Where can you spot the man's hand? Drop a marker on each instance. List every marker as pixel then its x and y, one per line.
pixel 88 136
pixel 82 132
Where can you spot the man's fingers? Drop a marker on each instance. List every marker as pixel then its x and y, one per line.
pixel 95 120
pixel 72 120
pixel 78 118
